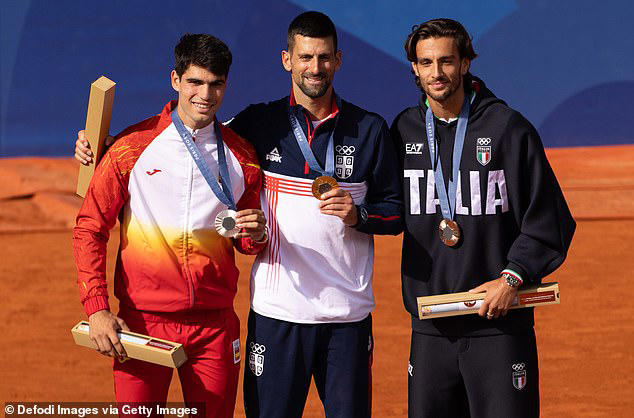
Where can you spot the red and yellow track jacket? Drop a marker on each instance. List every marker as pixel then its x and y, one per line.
pixel 170 256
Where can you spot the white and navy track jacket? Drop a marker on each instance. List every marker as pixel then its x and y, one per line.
pixel 315 269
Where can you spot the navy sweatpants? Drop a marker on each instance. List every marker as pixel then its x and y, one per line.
pixel 282 357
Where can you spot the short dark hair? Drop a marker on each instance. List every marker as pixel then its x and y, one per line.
pixel 204 51
pixel 440 28
pixel 312 24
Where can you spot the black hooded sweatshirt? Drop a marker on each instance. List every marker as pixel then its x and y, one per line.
pixel 510 208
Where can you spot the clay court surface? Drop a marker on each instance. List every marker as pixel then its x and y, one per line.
pixel 585 344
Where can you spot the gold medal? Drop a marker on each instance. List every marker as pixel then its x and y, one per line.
pixel 323 184
pixel 449 232
pixel 226 223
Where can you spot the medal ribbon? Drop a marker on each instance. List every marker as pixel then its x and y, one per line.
pixel 302 141
pixel 223 192
pixel 447 200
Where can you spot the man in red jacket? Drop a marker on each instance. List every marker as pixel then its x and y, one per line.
pixel 186 191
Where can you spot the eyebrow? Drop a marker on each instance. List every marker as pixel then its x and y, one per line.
pixel 198 80
pixel 308 54
pixel 444 57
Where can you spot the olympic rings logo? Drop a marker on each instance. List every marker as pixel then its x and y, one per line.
pixel 345 149
pixel 484 141
pixel 257 348
pixel 518 367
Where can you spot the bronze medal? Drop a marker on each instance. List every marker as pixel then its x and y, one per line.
pixel 323 184
pixel 449 232
pixel 226 223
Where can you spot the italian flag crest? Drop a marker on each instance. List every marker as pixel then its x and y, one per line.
pixel 483 154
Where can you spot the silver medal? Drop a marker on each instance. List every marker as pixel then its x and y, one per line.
pixel 226 223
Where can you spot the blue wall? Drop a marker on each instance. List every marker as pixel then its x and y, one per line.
pixel 568 66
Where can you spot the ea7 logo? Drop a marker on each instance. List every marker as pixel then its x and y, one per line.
pixel 412 148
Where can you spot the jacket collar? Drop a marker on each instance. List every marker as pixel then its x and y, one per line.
pixel 334 107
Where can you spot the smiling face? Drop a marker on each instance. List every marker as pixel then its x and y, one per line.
pixel 312 63
pixel 200 93
pixel 439 67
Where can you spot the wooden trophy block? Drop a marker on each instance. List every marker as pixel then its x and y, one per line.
pixel 137 346
pixel 464 303
pixel 97 127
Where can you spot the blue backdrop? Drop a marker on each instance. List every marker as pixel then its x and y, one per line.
pixel 566 65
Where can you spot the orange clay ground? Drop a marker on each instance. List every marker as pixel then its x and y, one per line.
pixel 586 344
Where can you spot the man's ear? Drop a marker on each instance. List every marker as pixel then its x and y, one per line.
pixel 415 68
pixel 286 60
pixel 464 66
pixel 176 81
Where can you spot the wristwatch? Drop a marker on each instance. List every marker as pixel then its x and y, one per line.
pixel 511 280
pixel 363 216
pixel 265 237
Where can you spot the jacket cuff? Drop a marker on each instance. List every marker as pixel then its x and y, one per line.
pixel 249 246
pixel 362 217
pixel 515 270
pixel 95 304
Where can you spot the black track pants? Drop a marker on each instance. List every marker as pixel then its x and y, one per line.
pixel 490 376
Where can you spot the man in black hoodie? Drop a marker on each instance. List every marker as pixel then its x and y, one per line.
pixel 483 213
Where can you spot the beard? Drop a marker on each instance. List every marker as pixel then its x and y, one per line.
pixel 314 92
pixel 441 96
